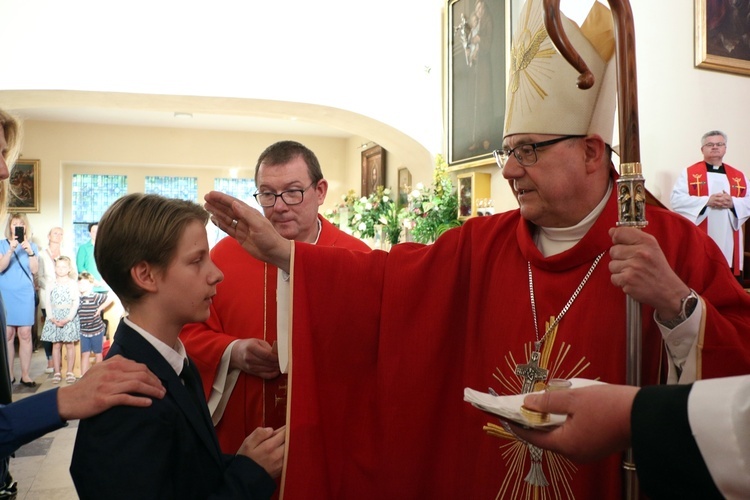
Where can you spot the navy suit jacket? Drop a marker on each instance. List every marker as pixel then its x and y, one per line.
pixel 167 450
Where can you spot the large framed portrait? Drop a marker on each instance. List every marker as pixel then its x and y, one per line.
pixel 373 169
pixel 23 195
pixel 478 37
pixel 721 36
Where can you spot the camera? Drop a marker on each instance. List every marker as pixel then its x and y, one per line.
pixel 19 233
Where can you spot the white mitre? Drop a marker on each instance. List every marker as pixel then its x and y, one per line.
pixel 542 97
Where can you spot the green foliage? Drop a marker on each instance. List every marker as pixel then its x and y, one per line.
pixel 433 210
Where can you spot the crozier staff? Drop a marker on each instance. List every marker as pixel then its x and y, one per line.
pixel 421 323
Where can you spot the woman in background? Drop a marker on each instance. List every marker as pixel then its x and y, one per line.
pixel 18 265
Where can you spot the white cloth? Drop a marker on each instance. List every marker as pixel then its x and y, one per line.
pixel 721 221
pixel 719 415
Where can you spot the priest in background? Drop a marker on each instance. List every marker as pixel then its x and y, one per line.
pixel 234 349
pixel 714 196
pixel 383 344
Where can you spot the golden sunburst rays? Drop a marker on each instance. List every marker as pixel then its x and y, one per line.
pixel 529 69
pixel 559 469
pixel 515 453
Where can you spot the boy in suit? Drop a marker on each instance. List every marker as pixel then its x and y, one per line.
pixel 153 253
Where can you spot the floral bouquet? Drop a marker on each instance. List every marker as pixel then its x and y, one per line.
pixel 433 210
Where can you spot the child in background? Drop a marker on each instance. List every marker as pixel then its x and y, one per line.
pixel 90 316
pixel 153 252
pixel 62 326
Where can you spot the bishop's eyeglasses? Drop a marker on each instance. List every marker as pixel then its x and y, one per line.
pixel 526 153
pixel 290 197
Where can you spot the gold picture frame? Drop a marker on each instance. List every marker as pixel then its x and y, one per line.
pixel 471 188
pixel 720 36
pixel 23 183
pixel 373 169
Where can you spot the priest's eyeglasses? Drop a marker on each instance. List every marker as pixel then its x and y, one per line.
pixel 526 153
pixel 717 144
pixel 290 197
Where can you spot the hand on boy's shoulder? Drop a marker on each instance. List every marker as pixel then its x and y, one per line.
pixel 113 382
pixel 265 446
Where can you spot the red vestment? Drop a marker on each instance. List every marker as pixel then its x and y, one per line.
pixel 383 345
pixel 698 186
pixel 237 312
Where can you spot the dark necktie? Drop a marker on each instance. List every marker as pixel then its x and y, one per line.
pixel 192 385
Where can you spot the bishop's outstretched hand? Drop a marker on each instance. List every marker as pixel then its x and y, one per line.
pixel 250 228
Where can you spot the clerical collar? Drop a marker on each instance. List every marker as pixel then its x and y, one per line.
pixel 715 169
pixel 320 228
pixel 555 240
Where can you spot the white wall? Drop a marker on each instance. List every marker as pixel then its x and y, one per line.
pixel 368 57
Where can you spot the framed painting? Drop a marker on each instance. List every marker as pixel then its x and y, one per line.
pixel 478 37
pixel 404 186
pixel 721 41
pixel 373 169
pixel 472 188
pixel 23 195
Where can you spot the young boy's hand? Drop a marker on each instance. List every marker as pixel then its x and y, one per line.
pixel 265 447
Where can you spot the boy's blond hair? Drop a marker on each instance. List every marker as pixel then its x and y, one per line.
pixel 140 228
pixel 86 276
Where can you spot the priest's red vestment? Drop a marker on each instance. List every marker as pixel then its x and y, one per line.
pixel 245 307
pixel 383 345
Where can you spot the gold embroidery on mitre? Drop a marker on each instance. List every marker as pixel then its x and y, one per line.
pixel 530 44
pixel 542 96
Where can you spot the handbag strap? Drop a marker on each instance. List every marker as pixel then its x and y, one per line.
pixel 24 269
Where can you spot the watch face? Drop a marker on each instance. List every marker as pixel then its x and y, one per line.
pixel 689 304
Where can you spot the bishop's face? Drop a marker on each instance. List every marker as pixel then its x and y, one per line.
pixel 549 192
pixel 712 152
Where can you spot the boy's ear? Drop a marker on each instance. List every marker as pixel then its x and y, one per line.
pixel 143 275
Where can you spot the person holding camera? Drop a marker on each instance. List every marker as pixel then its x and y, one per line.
pixel 18 265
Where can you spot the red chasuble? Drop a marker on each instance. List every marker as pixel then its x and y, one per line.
pixel 245 307
pixel 383 346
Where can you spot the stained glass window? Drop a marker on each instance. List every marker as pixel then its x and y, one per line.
pixel 181 188
pixel 240 188
pixel 92 195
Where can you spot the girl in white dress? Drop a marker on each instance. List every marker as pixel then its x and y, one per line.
pixel 62 325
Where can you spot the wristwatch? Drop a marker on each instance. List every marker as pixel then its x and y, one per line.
pixel 687 306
